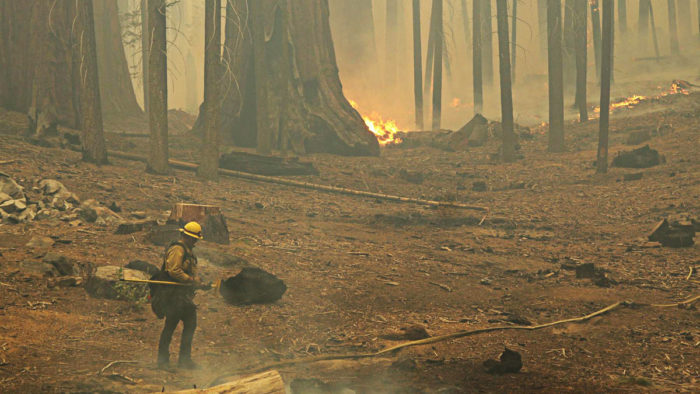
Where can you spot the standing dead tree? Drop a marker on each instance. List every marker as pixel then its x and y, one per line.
pixel 508 147
pixel 556 76
pixel 209 162
pixel 157 88
pixel 93 142
pixel 608 18
pixel 417 66
pixel 581 47
pixel 476 58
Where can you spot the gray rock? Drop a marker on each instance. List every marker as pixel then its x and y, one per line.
pixel 13 206
pixel 50 186
pixel 88 214
pixel 105 283
pixel 63 264
pixel 4 197
pixel 40 242
pixel 38 268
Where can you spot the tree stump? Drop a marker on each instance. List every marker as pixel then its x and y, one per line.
pixel 208 216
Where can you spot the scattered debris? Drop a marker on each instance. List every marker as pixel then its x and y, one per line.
pixel 509 362
pixel 643 157
pixel 252 286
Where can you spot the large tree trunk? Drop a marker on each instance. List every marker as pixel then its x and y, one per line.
pixel 608 17
pixel 476 58
pixel 437 70
pixel 157 88
pixel 263 126
pixel 556 88
pixel 487 42
pixel 116 88
pixel 653 29
pixel 417 66
pixel 209 162
pixel 672 27
pixel 581 33
pixel 513 41
pixel 93 141
pixel 508 135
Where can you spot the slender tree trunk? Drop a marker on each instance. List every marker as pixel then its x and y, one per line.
pixel 157 88
pixel 542 26
pixel 581 32
pixel 673 27
pixel 514 39
pixel 653 29
pixel 264 145
pixel 145 46
pixel 476 58
pixel 508 135
pixel 209 162
pixel 595 23
pixel 437 71
pixel 417 66
pixel 556 77
pixel 568 46
pixel 608 18
pixel 93 141
pixel 427 81
pixel 487 43
pixel 622 15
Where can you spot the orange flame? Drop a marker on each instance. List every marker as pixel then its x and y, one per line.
pixel 677 87
pixel 629 102
pixel 385 131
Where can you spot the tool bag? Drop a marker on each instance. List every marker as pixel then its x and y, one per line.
pixel 158 293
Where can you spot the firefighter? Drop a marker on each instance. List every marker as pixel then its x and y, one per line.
pixel 180 265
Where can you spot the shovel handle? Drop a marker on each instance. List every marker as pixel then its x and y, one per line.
pixel 157 282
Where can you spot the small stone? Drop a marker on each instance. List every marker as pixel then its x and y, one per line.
pixel 88 214
pixel 485 282
pixel 39 242
pixel 259 205
pixel 4 197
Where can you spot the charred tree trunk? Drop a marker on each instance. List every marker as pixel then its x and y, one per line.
pixel 437 70
pixel 209 162
pixel 157 88
pixel 116 88
pixel 93 141
pixel 264 136
pixel 595 24
pixel 417 66
pixel 476 58
pixel 145 46
pixel 672 27
pixel 608 18
pixel 513 41
pixel 581 32
pixel 508 135
pixel 556 88
pixel 487 42
pixel 569 52
pixel 430 55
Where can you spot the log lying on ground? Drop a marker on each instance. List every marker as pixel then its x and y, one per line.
pixel 305 185
pixel 265 165
pixel 269 382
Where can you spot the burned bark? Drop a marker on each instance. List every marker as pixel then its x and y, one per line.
pixel 608 18
pixel 437 66
pixel 116 88
pixel 209 162
pixel 145 44
pixel 508 148
pixel 93 142
pixel 417 66
pixel 513 40
pixel 556 76
pixel 581 39
pixel 157 88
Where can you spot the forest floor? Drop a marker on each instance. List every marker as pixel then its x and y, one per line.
pixel 358 269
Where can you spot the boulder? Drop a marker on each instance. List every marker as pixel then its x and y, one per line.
pixel 643 157
pixel 39 268
pixel 252 286
pixel 105 283
pixel 88 214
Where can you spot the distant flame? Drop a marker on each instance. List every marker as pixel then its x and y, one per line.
pixel 677 87
pixel 385 131
pixel 629 102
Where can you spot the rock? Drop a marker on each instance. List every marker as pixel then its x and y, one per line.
pixel 4 197
pixel 26 216
pixel 219 258
pixel 675 234
pixel 88 214
pixel 252 286
pixel 143 266
pixel 132 227
pixel 38 268
pixel 105 283
pixel 139 215
pixel 50 186
pixel 411 333
pixel 510 362
pixel 64 265
pixel 485 282
pixel 13 206
pixel 643 157
pixel 75 223
pixel 40 242
pixel 10 187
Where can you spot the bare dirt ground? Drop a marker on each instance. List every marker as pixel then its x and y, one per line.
pixel 358 269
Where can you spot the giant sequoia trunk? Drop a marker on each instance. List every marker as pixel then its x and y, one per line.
pixel 305 106
pixel 116 88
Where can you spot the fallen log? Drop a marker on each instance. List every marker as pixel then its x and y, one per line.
pixel 269 382
pixel 305 185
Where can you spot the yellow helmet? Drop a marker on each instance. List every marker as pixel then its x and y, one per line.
pixel 193 229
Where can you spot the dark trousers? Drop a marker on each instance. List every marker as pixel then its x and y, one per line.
pixel 188 314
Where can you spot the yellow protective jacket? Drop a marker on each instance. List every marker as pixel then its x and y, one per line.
pixel 180 263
